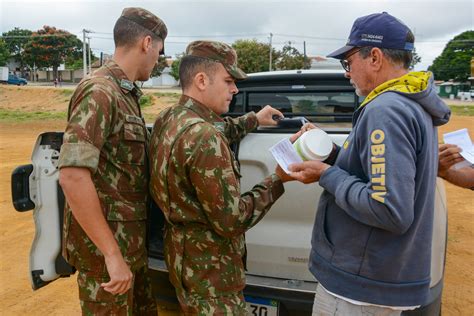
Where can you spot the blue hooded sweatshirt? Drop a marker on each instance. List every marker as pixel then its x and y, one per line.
pixel 372 234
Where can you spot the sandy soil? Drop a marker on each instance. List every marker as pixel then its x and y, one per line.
pixel 47 99
pixel 458 295
pixel 60 297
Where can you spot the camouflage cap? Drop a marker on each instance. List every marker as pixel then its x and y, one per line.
pixel 219 52
pixel 146 19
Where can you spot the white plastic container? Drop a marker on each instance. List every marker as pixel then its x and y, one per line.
pixel 314 144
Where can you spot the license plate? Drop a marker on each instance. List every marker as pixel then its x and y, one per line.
pixel 261 306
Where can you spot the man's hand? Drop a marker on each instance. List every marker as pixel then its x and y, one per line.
pixel 448 156
pixel 283 175
pixel 264 116
pixel 120 275
pixel 304 128
pixel 308 171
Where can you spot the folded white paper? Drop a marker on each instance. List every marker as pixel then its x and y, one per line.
pixel 285 154
pixel 461 139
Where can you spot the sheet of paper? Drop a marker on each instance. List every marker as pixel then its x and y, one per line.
pixel 462 140
pixel 285 154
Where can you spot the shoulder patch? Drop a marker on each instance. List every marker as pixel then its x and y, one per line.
pixel 126 84
pixel 220 126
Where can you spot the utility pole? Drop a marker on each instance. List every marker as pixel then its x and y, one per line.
pixel 90 60
pixel 84 60
pixel 270 65
pixel 84 56
pixel 304 54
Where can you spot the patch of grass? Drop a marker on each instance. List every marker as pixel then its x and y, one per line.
pixel 453 239
pixel 66 92
pixel 464 110
pixel 146 100
pixel 149 118
pixel 21 116
pixel 167 94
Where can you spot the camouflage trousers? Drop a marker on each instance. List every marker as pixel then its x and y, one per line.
pixel 96 301
pixel 228 305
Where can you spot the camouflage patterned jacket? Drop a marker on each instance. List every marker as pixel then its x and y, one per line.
pixel 195 181
pixel 107 135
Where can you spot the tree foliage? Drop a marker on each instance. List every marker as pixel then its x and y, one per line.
pixel 454 62
pixel 75 59
pixel 74 62
pixel 254 56
pixel 175 67
pixel 16 41
pixel 49 47
pixel 159 67
pixel 4 53
pixel 415 60
pixel 291 58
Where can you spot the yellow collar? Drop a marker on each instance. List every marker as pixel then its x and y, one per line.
pixel 412 82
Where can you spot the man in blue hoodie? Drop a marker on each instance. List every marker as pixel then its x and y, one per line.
pixel 371 243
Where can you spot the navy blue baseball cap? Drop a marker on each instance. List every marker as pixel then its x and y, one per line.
pixel 378 30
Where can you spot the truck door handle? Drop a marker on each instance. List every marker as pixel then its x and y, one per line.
pixel 21 188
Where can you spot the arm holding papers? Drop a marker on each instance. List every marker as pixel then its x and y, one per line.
pixel 454 159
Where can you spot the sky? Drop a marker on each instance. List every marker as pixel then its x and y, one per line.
pixel 323 24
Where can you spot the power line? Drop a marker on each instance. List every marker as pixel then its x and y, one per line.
pixel 221 35
pixel 312 37
pixel 38 35
pixel 229 35
pixel 203 36
pixel 110 38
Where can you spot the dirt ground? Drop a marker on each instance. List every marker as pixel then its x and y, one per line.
pixel 47 99
pixel 61 297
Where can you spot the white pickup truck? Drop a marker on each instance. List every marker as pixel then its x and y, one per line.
pixel 278 279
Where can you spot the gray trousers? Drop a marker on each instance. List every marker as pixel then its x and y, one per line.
pixel 326 304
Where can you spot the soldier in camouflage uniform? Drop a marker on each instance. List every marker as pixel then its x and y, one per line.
pixel 195 181
pixel 104 174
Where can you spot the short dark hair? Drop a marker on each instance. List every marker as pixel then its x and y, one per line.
pixel 397 56
pixel 127 33
pixel 191 65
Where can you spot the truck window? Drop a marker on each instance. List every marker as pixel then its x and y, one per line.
pixel 316 106
pixel 237 104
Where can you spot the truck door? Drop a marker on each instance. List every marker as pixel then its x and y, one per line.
pixel 36 187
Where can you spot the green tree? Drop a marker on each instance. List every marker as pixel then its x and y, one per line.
pixel 4 53
pixel 454 62
pixel 16 41
pixel 159 67
pixel 74 62
pixel 291 58
pixel 75 59
pixel 415 60
pixel 49 47
pixel 175 67
pixel 254 56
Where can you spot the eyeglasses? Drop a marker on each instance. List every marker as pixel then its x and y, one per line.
pixel 345 62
